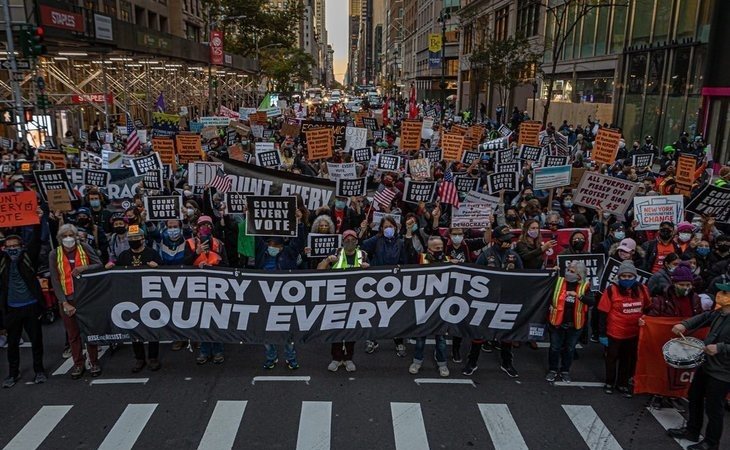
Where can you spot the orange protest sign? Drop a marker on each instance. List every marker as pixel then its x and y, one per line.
pixel 458 129
pixel 236 152
pixel 653 375
pixel 57 158
pixel 18 209
pixel 288 129
pixel 319 143
pixel 166 148
pixel 605 146
pixel 686 170
pixel 359 116
pixel 189 149
pixel 258 117
pixel 452 145
pixel 476 132
pixel 410 137
pixel 530 133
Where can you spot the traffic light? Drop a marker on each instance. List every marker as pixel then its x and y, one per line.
pixel 42 102
pixel 7 116
pixel 31 41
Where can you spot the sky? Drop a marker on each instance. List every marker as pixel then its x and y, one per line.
pixel 337 18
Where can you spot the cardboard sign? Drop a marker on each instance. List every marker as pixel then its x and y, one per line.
pixel 388 163
pixel 605 147
pixel 610 272
pixel 452 146
pixel 319 143
pixel 594 267
pixel 165 147
pixel 508 181
pixel 419 191
pixel 712 201
pixel 236 152
pixel 202 173
pixel 189 148
pixel 288 129
pixel 57 158
pixel 271 215
pixel 362 155
pixel 530 133
pixel 355 138
pixel 685 174
pixel 420 169
pixel 58 200
pixel 653 210
pixel 323 245
pixel 144 164
pixel 612 195
pixel 459 130
pixel 161 208
pixel 642 160
pixel 530 153
pixel 465 183
pixel 236 202
pixel 410 137
pixel 478 197
pixel 98 178
pixel 268 158
pixel 471 215
pixel 55 179
pixel 555 160
pixel 551 177
pixel 343 170
pixel 18 209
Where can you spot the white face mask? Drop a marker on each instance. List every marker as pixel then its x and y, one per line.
pixel 68 242
pixel 685 237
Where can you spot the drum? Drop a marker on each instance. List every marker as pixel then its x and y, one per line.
pixel 685 353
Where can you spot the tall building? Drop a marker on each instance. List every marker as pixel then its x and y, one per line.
pixel 308 37
pixel 379 49
pixel 355 11
pixel 365 44
pixel 320 29
pixel 393 38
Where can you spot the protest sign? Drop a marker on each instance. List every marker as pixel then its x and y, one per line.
pixel 651 211
pixel 389 163
pixel 471 215
pixel 576 176
pixel 685 174
pixel 594 266
pixel 268 158
pixel 469 157
pixel 99 178
pixel 144 164
pixel 419 191
pixel 57 158
pixel 58 200
pixel 529 133
pixel 209 133
pixel 236 152
pixel 555 160
pixel 478 197
pixel 504 130
pixel 202 173
pixel 551 177
pixel 18 209
pixel 361 155
pixel 494 145
pixel 378 216
pixel 342 170
pixel 370 123
pixel 434 156
pixel 459 130
pixel 257 131
pixel 514 166
pixel 605 147
pixel 165 147
pixel 452 145
pixel 289 129
pixel 355 138
pixel 610 194
pixel 642 160
pixel 111 160
pixel 165 124
pixel 712 201
pixel 189 148
pixel 154 179
pixel 55 179
pixel 271 215
pixel 476 132
pixel 161 208
pixel 610 273
pixel 465 183
pixel 214 121
pixel 420 169
pixel 498 181
pixel 323 245
pixel 506 155
pixel 530 153
pixel 410 137
pixel 90 160
pixel 319 143
pixel 338 132
pixel 235 202
pixel 351 187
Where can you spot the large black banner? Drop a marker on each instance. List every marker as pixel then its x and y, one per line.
pixel 233 306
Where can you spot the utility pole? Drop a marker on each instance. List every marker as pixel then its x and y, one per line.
pixel 17 95
pixel 443 17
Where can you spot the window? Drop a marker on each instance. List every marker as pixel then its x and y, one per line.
pixel 528 17
pixel 125 11
pixel 619 29
pixel 192 32
pixel 501 24
pixel 452 67
pixel 163 24
pixel 680 68
pixel 643 12
pixel 468 38
pixel 589 34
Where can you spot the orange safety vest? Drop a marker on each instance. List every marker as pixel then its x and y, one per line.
pixel 423 260
pixel 211 257
pixel 557 308
pixel 64 267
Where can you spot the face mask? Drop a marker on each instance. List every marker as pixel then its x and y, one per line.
pixel 135 245
pixel 188 193
pixel 626 284
pixel 620 235
pixel 389 232
pixel 273 251
pixel 18 188
pixel 578 245
pixel 204 232
pixel 671 269
pixel 69 242
pixel 190 212
pixel 95 203
pixel 571 277
pixel 568 204
pixel 120 230
pixel 685 237
pixel 349 246
pixel 682 291
pixel 512 219
pixel 174 233
pixel 533 233
pixel 414 228
pixel 13 253
pixel 703 251
pixel 665 234
pixel 437 256
pixel 340 204
pixel 458 239
pixel 505 245
pixel 529 197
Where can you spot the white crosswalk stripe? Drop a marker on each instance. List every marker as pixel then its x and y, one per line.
pixel 223 425
pixel 315 426
pixel 408 426
pixel 128 427
pixel 670 418
pixel 502 427
pixel 591 428
pixel 38 428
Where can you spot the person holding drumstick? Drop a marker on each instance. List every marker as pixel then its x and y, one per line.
pixel 711 382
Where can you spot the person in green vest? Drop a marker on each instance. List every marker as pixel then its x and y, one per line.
pixel 724 180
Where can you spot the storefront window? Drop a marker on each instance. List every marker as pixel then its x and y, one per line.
pixel 663 22
pixel 588 36
pixel 686 17
pixel 637 70
pixel 678 80
pixel 618 33
pixel 673 118
pixel 656 68
pixel 643 12
pixel 602 30
pixel 652 112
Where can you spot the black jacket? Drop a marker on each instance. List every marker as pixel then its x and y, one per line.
pixel 27 271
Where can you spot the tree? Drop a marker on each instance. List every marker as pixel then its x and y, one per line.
pixel 285 67
pixel 563 17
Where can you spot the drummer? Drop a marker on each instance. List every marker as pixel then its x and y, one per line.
pixel 711 382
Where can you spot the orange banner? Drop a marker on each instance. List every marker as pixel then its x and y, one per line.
pixel 653 375
pixel 530 133
pixel 18 209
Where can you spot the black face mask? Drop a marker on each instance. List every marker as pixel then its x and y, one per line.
pixel 120 230
pixel 511 219
pixel 437 256
pixel 82 222
pixel 666 234
pixel 135 245
pixel 578 245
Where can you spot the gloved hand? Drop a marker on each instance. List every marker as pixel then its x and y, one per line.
pixel 603 340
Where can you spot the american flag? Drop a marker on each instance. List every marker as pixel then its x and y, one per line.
pixel 383 198
pixel 133 143
pixel 221 182
pixel 447 190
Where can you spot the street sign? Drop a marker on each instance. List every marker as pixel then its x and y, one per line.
pixel 21 64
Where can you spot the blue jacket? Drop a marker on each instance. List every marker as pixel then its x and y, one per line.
pixel 384 251
pixel 289 257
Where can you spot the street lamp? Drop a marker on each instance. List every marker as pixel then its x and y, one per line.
pixel 443 17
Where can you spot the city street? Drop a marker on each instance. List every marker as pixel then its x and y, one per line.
pixel 380 406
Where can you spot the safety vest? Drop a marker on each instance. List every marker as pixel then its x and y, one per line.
pixel 64 267
pixel 720 182
pixel 211 257
pixel 557 308
pixel 423 260
pixel 342 260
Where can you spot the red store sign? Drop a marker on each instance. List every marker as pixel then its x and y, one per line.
pixel 59 18
pixel 92 98
pixel 216 47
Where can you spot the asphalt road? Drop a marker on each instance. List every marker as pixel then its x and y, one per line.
pixel 380 406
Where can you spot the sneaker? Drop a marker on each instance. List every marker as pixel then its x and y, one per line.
pixel 40 378
pixel 77 372
pixel 415 367
pixel 510 371
pixel 594 338
pixel 350 366
pixel 565 376
pixel 551 376
pixel 10 381
pixel 154 364
pixel 201 359
pixel 469 370
pixel 456 355
pixel 292 364
pixel 138 365
pixel 683 433
pixel 400 350
pixel 334 365
pixel 3 341
pixel 487 347
pixel 371 346
pixel 179 345
pixel 443 371
pixel 95 370
pixel 270 363
pixel 66 353
pixel 608 389
pixel 626 392
pixel 218 358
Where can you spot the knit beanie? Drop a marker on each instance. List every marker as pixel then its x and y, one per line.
pixel 682 273
pixel 627 267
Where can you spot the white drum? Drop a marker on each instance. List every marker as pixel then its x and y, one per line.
pixel 686 353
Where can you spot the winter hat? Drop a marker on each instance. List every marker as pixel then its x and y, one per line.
pixel 682 273
pixel 685 227
pixel 628 245
pixel 627 267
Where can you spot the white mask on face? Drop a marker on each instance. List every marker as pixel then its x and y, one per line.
pixel 685 237
pixel 68 242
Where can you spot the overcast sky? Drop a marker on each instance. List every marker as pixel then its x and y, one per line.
pixel 337 18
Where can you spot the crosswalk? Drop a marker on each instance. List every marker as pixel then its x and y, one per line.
pixel 315 431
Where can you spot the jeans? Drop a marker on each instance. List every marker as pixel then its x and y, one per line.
pixel 707 396
pixel 563 340
pixel 138 347
pixel 272 353
pixel 211 348
pixel 440 350
pixel 621 357
pixel 17 320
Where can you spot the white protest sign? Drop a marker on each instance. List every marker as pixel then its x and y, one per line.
pixel 379 215
pixel 355 138
pixel 344 170
pixel 651 211
pixel 471 215
pixel 215 121
pixel 202 173
pixel 551 177
pixel 478 197
pixel 612 195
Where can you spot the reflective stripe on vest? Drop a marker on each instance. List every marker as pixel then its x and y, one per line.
pixel 64 267
pixel 211 257
pixel 557 307
pixel 342 260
